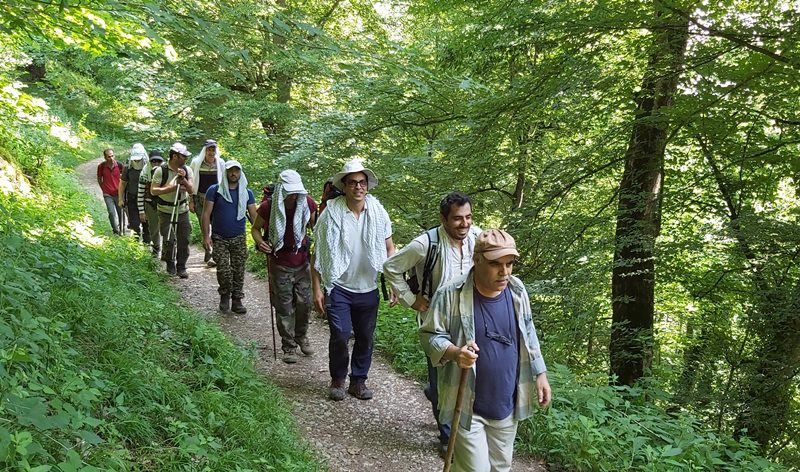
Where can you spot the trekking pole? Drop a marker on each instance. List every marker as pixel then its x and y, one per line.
pixel 122 215
pixel 462 383
pixel 172 220
pixel 271 309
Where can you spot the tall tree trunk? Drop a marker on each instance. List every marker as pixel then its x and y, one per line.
pixel 639 210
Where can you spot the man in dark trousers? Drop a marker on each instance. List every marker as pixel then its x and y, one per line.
pixel 108 177
pixel 354 238
pixel 147 203
pixel 175 201
pixel 454 240
pixel 482 322
pixel 229 202
pixel 280 230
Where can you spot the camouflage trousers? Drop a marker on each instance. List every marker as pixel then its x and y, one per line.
pixel 230 254
pixel 291 297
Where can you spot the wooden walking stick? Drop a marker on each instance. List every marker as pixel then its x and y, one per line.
pixel 271 308
pixel 462 384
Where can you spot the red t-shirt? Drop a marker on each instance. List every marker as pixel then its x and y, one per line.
pixel 109 178
pixel 286 256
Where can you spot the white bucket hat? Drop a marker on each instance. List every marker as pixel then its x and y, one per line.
pixel 350 167
pixel 291 182
pixel 138 152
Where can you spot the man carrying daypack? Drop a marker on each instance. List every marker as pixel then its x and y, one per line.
pixel 229 202
pixel 108 177
pixel 172 183
pixel 207 169
pixel 432 259
pixel 353 240
pixel 147 203
pixel 285 218
pixel 128 188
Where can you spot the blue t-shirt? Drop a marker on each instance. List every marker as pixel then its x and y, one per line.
pixel 497 337
pixel 223 217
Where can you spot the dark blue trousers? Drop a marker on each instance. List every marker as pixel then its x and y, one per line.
pixel 432 394
pixel 357 312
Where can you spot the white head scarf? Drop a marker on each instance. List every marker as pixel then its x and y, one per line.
pixel 198 161
pixel 289 183
pixel 225 191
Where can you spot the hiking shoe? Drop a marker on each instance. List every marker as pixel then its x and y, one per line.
pixel 237 307
pixel 290 357
pixel 225 302
pixel 336 391
pixel 305 347
pixel 359 390
pixel 171 268
pixel 211 264
pixel 207 257
pixel 442 450
pixel 182 273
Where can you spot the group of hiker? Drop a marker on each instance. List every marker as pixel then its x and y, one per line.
pixel 474 317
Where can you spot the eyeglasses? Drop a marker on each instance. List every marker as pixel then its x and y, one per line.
pixel 500 338
pixel 356 183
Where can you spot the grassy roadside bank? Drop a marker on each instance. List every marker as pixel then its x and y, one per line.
pixel 101 368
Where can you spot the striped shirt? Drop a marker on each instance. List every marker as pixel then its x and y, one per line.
pixel 450 321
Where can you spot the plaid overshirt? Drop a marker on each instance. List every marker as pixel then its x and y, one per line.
pixel 451 321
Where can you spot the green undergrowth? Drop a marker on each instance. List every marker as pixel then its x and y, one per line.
pixel 591 426
pixel 101 368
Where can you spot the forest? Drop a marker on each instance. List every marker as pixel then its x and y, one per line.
pixel 644 154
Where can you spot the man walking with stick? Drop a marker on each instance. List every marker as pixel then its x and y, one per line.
pixel 280 230
pixel 482 322
pixel 172 183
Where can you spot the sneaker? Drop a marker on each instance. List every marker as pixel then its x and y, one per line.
pixel 359 390
pixel 207 257
pixel 211 264
pixel 182 273
pixel 237 307
pixel 225 302
pixel 336 391
pixel 171 268
pixel 305 347
pixel 290 356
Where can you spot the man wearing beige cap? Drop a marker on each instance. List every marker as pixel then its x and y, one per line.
pixel 354 238
pixel 482 322
pixel 280 231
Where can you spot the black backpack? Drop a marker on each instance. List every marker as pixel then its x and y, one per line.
pixel 412 278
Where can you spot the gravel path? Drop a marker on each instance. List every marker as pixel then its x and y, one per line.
pixel 393 432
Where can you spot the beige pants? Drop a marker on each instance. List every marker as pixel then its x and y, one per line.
pixel 487 447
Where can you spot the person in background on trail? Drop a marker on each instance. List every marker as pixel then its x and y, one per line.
pixel 229 202
pixel 284 219
pixel 354 238
pixel 453 241
pixel 482 322
pixel 175 202
pixel 128 188
pixel 147 205
pixel 207 169
pixel 108 177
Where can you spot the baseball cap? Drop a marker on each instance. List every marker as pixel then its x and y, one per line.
pixel 210 143
pixel 232 163
pixel 494 244
pixel 180 149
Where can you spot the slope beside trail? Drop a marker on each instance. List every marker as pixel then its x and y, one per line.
pixel 393 432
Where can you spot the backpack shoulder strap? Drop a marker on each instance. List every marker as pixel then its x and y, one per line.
pixel 430 261
pixel 164 173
